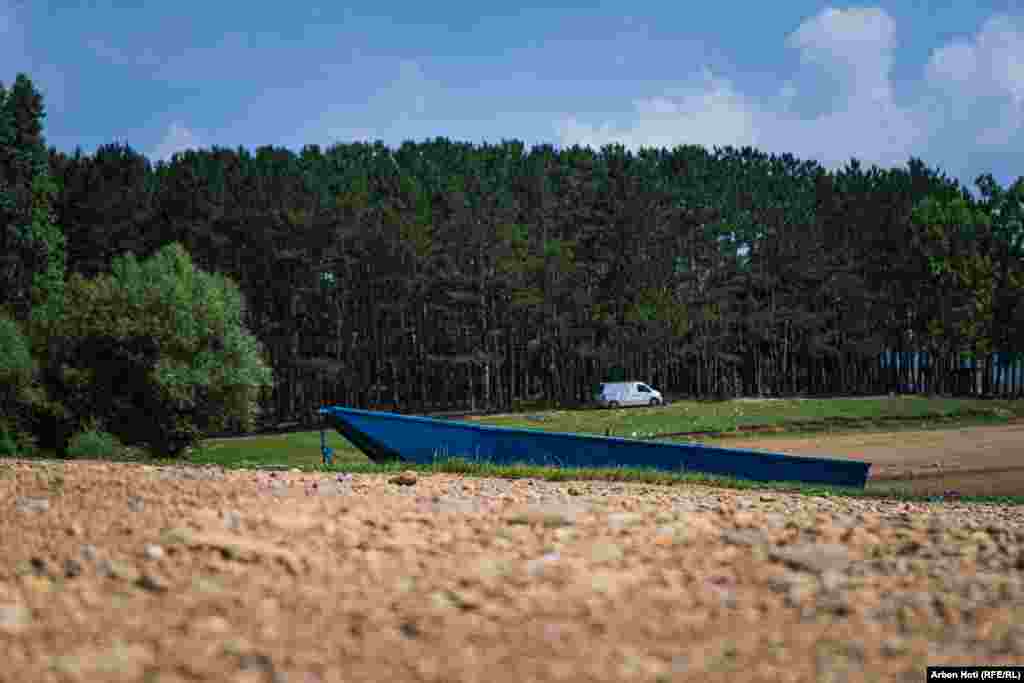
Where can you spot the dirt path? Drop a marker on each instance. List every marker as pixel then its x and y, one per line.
pixel 118 572
pixel 971 460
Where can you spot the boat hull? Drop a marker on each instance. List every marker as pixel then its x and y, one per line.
pixel 388 436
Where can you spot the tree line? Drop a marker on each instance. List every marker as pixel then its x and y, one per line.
pixel 442 275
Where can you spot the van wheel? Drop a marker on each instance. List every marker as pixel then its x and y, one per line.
pixel 613 404
pixel 655 402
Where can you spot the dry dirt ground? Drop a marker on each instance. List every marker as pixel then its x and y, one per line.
pixel 119 572
pixel 971 461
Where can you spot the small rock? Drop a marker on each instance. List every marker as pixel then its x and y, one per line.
pixel 893 647
pixel 151 583
pixel 256 662
pixel 407 478
pixel 491 569
pixel 28 505
pixel 117 569
pixel 744 537
pixel 89 553
pixel 333 489
pixel 39 567
pixel 538 566
pixel 233 520
pixel 813 557
pixel 831 580
pixel 153 552
pixel 620 520
pixel 72 568
pixel 680 664
pixel 13 617
pixel 605 552
pixel 213 624
pixel 37 584
pixel 452 598
pixel 136 504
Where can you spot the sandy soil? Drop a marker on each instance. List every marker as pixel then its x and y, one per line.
pixel 118 572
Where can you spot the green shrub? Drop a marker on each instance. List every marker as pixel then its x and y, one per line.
pixel 93 443
pixel 157 349
pixel 15 441
pixel 8 447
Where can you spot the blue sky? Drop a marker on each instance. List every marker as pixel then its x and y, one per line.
pixel 936 79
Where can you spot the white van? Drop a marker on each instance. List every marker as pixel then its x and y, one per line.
pixel 615 394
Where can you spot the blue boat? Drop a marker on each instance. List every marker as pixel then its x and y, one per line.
pixel 385 437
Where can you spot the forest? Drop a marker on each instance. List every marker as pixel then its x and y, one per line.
pixel 452 276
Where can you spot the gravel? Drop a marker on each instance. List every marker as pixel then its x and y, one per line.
pixel 299 576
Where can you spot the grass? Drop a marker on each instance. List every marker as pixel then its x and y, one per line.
pixel 790 417
pixel 732 416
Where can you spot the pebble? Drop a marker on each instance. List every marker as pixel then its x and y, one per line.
pixel 212 624
pixel 13 617
pixel 620 520
pixel 117 569
pixel 538 566
pixel 89 553
pixel 813 557
pixel 72 568
pixel 151 583
pixel 549 516
pixel 407 478
pixel 255 662
pixel 745 537
pixel 892 647
pixel 136 504
pixel 28 505
pixel 39 566
pixel 233 520
pixel 153 551
pixel 605 552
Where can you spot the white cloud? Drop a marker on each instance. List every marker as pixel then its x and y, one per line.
pixel 708 113
pixel 957 63
pixel 980 82
pixel 177 139
pixel 855 47
pixel 990 64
